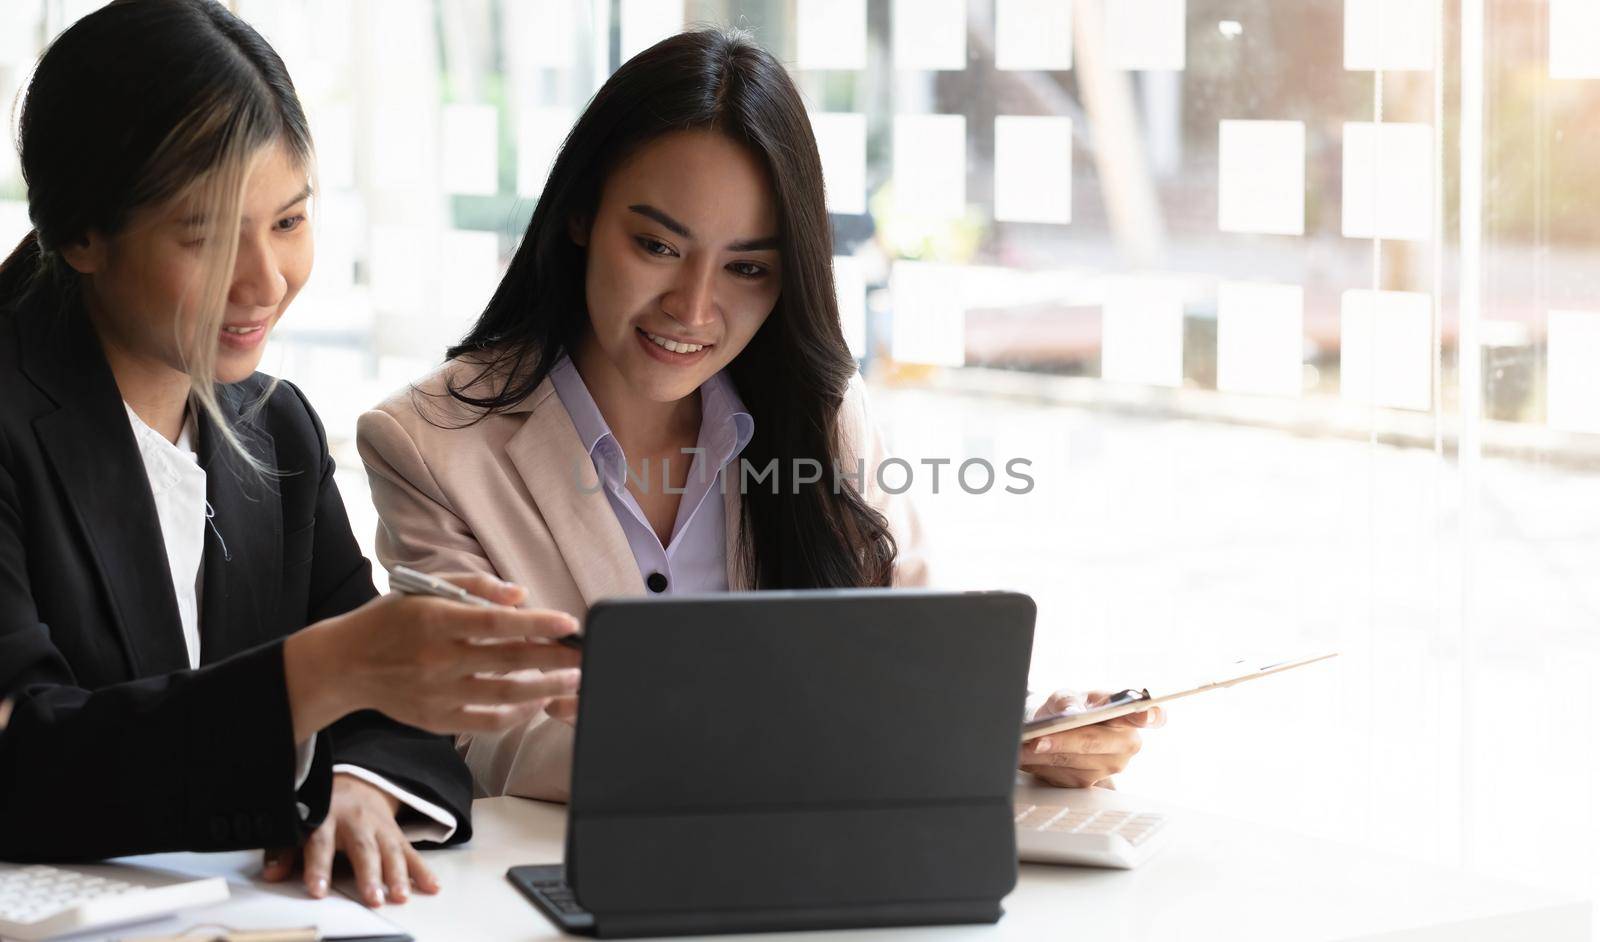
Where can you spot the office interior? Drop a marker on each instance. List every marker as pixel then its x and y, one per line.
pixel 1291 309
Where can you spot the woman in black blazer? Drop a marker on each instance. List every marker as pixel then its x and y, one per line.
pixel 159 693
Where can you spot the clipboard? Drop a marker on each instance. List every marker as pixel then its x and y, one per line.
pixel 1138 700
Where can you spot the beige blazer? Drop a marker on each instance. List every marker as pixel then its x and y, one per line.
pixel 502 496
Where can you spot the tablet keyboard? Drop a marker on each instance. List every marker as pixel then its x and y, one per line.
pixel 1092 837
pixel 41 902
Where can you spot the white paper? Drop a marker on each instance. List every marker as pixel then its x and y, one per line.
pixel 1389 35
pixel 1260 346
pixel 1574 39
pixel 1388 181
pixel 399 153
pixel 930 320
pixel 252 905
pixel 400 262
pixel 1033 169
pixel 471 136
pixel 1261 185
pixel 647 22
pixel 930 34
pixel 930 166
pixel 1142 332
pixel 539 135
pixel 850 284
pixel 1033 34
pixel 1147 35
pixel 842 144
pixel 1386 349
pixel 1573 373
pixel 831 34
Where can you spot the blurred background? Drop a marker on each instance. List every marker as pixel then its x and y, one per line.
pixel 1292 307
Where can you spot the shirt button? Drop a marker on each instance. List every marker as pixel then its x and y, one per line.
pixel 657 582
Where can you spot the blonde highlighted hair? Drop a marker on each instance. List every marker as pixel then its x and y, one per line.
pixel 141 102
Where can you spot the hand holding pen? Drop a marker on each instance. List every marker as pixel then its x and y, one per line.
pixel 433 659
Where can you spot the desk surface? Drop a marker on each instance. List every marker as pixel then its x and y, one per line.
pixel 1217 879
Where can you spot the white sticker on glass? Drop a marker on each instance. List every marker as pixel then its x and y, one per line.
pixel 1033 34
pixel 930 166
pixel 1389 35
pixel 929 316
pixel 1260 347
pixel 842 143
pixel 1033 169
pixel 1386 349
pixel 1261 185
pixel 831 34
pixel 1141 332
pixel 850 283
pixel 1149 35
pixel 471 159
pixel 1574 371
pixel 1388 181
pixel 930 35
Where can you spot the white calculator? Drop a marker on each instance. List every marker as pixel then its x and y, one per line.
pixel 42 902
pixel 1091 837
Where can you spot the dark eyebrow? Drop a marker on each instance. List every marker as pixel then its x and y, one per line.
pixel 661 217
pixel 756 245
pixel 302 196
pixel 197 219
pixel 748 245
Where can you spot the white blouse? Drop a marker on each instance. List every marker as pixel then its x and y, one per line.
pixel 178 484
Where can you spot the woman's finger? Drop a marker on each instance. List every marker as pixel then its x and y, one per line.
pixel 504 657
pixel 487 719
pixel 1153 718
pixel 277 863
pixel 485 586
pixel 362 851
pixel 564 709
pixel 421 873
pixel 396 873
pixel 1098 740
pixel 1060 702
pixel 522 687
pixel 319 860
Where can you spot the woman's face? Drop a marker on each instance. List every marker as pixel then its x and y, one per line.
pixel 144 284
pixel 683 262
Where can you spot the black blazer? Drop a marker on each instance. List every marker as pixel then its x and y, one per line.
pixel 115 746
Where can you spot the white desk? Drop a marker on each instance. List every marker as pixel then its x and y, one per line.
pixel 1218 879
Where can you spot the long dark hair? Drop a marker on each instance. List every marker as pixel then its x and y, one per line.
pixel 136 103
pixel 794 373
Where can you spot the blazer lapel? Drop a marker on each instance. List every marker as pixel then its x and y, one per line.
pixel 91 448
pixel 560 477
pixel 243 566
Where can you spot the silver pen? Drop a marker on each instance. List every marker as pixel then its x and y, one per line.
pixel 411 582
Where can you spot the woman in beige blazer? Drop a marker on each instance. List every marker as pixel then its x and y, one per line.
pixel 659 397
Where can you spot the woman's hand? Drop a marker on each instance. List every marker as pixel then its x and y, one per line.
pixel 439 665
pixel 1089 755
pixel 361 826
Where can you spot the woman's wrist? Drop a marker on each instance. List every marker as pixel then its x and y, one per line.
pixel 318 695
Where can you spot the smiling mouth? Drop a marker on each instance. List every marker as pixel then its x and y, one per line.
pixel 673 345
pixel 243 331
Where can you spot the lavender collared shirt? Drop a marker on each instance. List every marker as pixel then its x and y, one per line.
pixel 695 559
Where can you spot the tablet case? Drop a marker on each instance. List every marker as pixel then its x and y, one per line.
pixel 792 760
